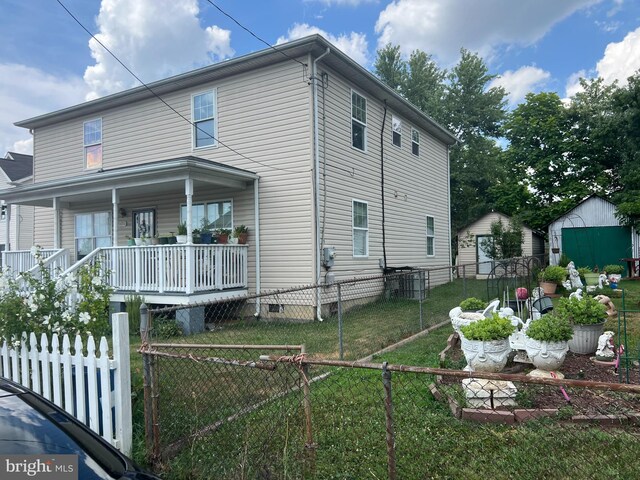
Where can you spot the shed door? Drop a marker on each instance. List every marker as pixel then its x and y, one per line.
pixel 485 264
pixel 591 246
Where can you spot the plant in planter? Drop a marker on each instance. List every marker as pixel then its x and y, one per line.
pixel 547 343
pixel 485 343
pixel 551 277
pixel 195 235
pixel 591 276
pixel 472 304
pixel 223 235
pixel 241 232
pixel 181 236
pixel 206 232
pixel 587 316
pixel 614 273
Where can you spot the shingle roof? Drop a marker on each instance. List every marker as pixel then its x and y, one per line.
pixel 17 165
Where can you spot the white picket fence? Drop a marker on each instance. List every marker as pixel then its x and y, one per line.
pixel 94 389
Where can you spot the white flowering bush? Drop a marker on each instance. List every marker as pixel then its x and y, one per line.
pixel 76 303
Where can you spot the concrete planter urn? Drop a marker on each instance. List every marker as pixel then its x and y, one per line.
pixel 548 356
pixel 585 338
pixel 591 278
pixel 461 318
pixel 486 355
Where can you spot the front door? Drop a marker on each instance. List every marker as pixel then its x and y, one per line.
pixel 485 265
pixel 144 223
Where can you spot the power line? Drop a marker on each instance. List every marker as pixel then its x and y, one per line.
pixel 254 35
pixel 165 103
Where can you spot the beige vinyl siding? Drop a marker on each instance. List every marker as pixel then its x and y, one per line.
pixel 467 251
pixel 264 115
pixel 23 227
pixel 43 227
pixel 423 179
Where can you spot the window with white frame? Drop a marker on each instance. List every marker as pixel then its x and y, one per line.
pixel 358 121
pixel 396 128
pixel 431 236
pixel 415 142
pixel 92 230
pixel 92 141
pixel 204 119
pixel 215 214
pixel 360 216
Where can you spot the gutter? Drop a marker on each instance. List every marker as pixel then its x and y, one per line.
pixel 316 178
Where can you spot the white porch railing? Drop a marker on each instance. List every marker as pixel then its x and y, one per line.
pixel 96 389
pixel 23 260
pixel 173 268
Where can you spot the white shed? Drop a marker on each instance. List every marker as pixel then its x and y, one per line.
pixel 591 235
pixel 470 238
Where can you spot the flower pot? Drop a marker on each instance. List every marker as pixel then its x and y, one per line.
pixel 549 287
pixel 463 319
pixel 138 241
pixel 171 240
pixel 223 238
pixel 206 237
pixel 242 238
pixel 546 355
pixel 591 278
pixel 181 239
pixel 154 241
pixel 163 240
pixel 131 242
pixel 585 338
pixel 486 356
pixel 555 250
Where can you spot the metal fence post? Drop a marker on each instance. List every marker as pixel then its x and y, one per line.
pixel 464 282
pixel 146 373
pixel 388 406
pixel 420 301
pixel 340 339
pixel 306 391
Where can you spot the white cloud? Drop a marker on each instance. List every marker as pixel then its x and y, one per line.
pixel 442 27
pixel 573 84
pixel 621 59
pixel 520 82
pixel 354 44
pixel 155 39
pixel 26 92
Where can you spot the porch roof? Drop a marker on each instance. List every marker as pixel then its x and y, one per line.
pixel 130 181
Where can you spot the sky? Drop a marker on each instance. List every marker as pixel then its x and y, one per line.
pixel 48 62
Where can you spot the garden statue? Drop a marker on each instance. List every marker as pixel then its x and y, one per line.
pixel 611 308
pixel 602 280
pixel 606 350
pixel 577 294
pixel 574 276
pixel 537 293
pixel 567 284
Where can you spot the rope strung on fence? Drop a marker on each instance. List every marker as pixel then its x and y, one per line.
pixel 223 361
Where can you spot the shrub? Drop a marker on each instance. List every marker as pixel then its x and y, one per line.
pixel 165 327
pixel 492 328
pixel 550 328
pixel 75 303
pixel 132 304
pixel 614 269
pixel 564 260
pixel 587 311
pixel 553 274
pixel 473 304
pixel 583 270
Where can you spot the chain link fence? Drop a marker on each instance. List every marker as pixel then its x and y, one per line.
pixel 291 392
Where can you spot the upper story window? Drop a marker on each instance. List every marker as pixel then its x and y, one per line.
pixel 204 119
pixel 415 142
pixel 431 236
pixel 93 143
pixel 360 214
pixel 396 127
pixel 358 121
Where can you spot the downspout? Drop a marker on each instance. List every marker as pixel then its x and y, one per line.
pixel 256 215
pixel 384 237
pixel 316 180
pixel 449 210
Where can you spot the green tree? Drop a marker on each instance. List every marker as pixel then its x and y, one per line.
pixel 505 242
pixel 390 67
pixel 424 85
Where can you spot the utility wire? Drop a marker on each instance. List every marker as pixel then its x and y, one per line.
pixel 254 35
pixel 166 104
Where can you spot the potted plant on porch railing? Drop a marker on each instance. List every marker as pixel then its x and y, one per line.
pixel 241 232
pixel 181 236
pixel 223 235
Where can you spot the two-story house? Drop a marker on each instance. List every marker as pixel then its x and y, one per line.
pixel 16 223
pixel 299 143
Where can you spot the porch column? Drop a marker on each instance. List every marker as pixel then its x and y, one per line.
pixel 7 227
pixel 56 223
pixel 114 219
pixel 188 190
pixel 256 215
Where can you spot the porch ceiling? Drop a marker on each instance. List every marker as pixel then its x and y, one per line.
pixel 164 177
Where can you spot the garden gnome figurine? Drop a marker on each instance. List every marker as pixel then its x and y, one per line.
pixel 606 351
pixel 574 276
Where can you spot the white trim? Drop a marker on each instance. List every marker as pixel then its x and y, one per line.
pixel 85 145
pixel 353 227
pixel 206 203
pixel 427 236
pixel 364 125
pixel 213 91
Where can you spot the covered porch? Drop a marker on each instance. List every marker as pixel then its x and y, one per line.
pixel 164 190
